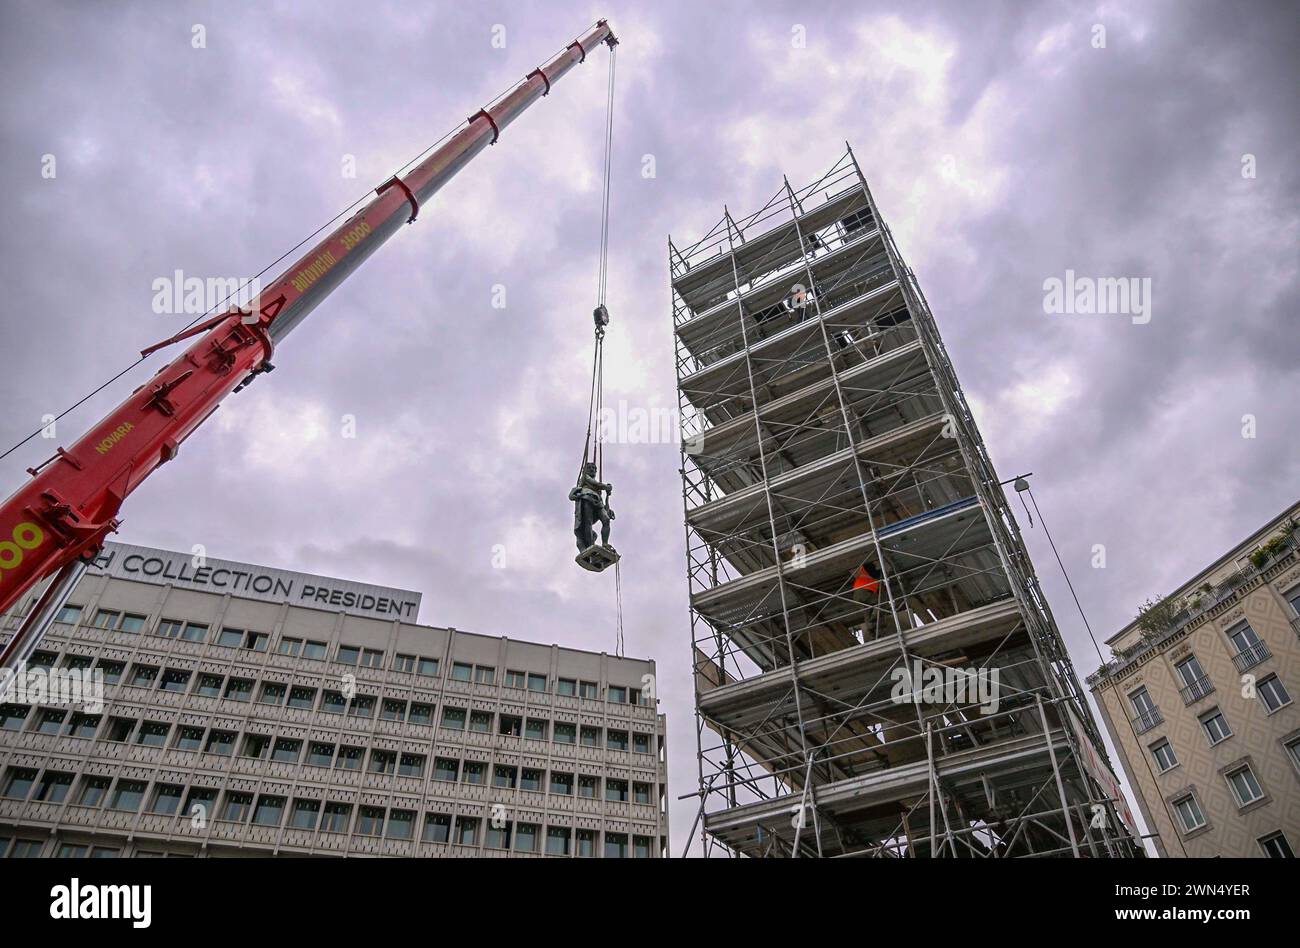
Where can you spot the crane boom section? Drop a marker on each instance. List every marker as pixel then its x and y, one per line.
pixel 72 501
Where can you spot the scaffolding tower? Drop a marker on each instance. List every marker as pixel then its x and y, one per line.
pixel 848 544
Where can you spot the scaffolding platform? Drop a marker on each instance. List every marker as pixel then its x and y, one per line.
pixel 817 439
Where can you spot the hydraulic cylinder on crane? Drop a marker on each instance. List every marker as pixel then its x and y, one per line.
pixel 62 515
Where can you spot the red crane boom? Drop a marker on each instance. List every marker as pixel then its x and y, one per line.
pixel 71 504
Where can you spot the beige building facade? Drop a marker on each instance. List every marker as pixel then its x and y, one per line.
pixel 1200 703
pixel 255 711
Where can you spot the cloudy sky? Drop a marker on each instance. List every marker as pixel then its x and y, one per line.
pixel 1003 145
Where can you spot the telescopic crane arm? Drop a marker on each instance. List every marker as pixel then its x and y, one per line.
pixel 72 502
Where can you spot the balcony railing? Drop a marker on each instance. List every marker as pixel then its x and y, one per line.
pixel 1147 720
pixel 1251 655
pixel 1196 690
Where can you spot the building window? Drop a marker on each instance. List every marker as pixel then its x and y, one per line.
pixel 498 835
pixel 50 722
pixel 509 725
pixel 53 787
pixel 69 615
pixel 641 793
pixel 272 693
pixel 372 658
pixel 335 818
pixel 320 755
pixel 1146 714
pixel 1189 813
pixel 269 812
pixel 19 782
pixel 143 676
pixel 119 730
pixel 535 729
pixel 348 655
pixel 239 689
pixel 420 714
pixel 616 740
pixel 175 679
pixel 209 686
pixel 530 779
pixel 557 840
pixel 393 710
pixel 437 828
pixel 230 638
pixel 615 845
pixel 480 721
pixel 589 690
pixel 427 666
pixel 516 679
pixel 615 791
pixel 453 718
pixel 106 619
pixel 12 716
pixel 617 694
pixel 256 745
pixel 72 851
pixel 1244 786
pixel 333 702
pixel 300 697
pixel 383 762
pixel 1275 846
pixel 290 646
pixel 304 814
pixel 485 674
pixel 404 663
pixel 401 824
pixel 83 725
pixel 313 650
pixel 166 799
pixel 93 791
pixel 1196 685
pixel 640 847
pixel 526 838
pixel 220 742
pixel 370 821
pixel 586 844
pixel 462 671
pixel 567 688
pixel 1216 726
pixel 238 807
pixel 466 831
pixel 194 632
pixel 153 734
pixel 590 736
pixel 587 787
pixel 349 758
pixel 1272 693
pixel 504 776
pixel 200 801
pixel 566 733
pixel 446 768
pixel 189 738
pixel 362 706
pixel 1163 752
pixel 169 628
pixel 536 682
pixel 562 784
pixel 112 671
pixel 286 750
pixel 641 743
pixel 1243 637
pixel 474 772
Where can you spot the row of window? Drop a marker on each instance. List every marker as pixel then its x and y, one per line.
pixel 118 621
pixel 308 814
pixel 1268 689
pixel 59 721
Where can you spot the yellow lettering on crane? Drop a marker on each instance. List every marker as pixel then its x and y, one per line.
pixel 109 443
pixel 314 270
pixel 26 536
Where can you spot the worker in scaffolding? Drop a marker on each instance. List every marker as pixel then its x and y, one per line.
pixel 590 506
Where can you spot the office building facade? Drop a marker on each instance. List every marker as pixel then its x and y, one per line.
pixel 255 711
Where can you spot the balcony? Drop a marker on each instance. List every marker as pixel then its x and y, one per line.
pixel 1147 720
pixel 1196 690
pixel 1251 656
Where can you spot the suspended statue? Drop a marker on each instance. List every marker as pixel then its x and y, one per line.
pixel 590 495
pixel 590 507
